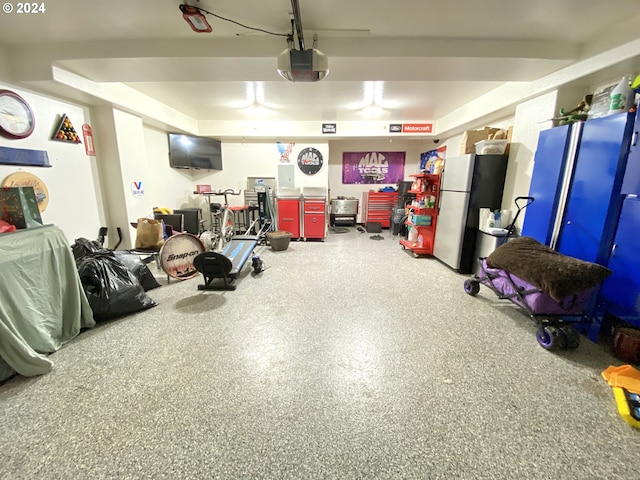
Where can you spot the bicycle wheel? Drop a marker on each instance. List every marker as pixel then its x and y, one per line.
pixel 227 228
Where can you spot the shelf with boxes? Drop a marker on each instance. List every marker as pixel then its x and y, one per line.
pixel 422 214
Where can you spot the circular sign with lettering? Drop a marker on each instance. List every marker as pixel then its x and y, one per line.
pixel 310 161
pixel 26 179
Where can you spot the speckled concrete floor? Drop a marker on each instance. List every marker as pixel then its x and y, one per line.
pixel 344 359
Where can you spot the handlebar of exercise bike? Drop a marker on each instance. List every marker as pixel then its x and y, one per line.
pixel 228 191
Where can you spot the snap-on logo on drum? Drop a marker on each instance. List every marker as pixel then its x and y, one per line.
pixel 180 256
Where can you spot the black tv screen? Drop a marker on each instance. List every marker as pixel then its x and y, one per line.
pixel 187 151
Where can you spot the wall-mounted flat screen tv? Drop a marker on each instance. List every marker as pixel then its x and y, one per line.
pixel 187 151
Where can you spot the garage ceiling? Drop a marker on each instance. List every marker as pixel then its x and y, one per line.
pixel 408 60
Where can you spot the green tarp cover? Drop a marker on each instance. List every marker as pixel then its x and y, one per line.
pixel 42 302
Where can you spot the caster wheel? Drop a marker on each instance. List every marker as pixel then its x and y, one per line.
pixel 551 338
pixel 572 336
pixel 471 287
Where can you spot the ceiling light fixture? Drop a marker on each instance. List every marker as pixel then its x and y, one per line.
pixel 255 100
pixel 195 19
pixel 303 65
pixel 373 104
pixel 373 110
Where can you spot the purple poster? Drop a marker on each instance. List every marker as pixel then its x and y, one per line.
pixel 372 167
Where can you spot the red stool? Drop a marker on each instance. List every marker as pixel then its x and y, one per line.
pixel 237 212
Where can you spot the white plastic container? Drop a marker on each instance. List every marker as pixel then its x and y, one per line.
pixel 412 235
pixel 621 98
pixel 491 147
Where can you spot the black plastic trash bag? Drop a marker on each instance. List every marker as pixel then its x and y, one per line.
pixel 111 288
pixel 140 269
pixel 83 247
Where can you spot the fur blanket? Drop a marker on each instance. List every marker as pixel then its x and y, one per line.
pixel 555 274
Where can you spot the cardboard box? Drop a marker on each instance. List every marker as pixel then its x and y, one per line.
pixel 471 137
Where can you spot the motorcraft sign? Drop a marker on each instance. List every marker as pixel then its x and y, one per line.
pixel 372 167
pixel 417 127
pixel 411 128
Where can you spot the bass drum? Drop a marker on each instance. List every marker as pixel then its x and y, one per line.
pixel 177 254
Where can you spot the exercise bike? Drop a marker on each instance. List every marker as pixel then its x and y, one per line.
pixel 222 227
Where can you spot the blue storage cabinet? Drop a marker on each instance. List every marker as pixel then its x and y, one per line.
pixel 586 182
pixel 631 182
pixel 620 294
pixel 546 181
pixel 594 200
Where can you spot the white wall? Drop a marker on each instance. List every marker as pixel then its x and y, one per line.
pixel 109 174
pixel 167 187
pixel 5 71
pixel 531 117
pixel 75 204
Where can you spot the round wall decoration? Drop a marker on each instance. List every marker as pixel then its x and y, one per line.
pixel 310 161
pixel 16 117
pixel 26 179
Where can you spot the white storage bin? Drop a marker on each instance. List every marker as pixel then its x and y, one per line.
pixel 491 147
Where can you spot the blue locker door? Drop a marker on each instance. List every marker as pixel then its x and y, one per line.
pixel 620 294
pixel 546 181
pixel 631 183
pixel 594 197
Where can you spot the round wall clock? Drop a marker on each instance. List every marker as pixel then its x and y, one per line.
pixel 16 117
pixel 310 161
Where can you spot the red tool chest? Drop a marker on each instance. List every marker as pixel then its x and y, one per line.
pixel 289 216
pixel 314 218
pixel 376 207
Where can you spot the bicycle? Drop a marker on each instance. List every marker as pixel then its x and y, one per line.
pixel 222 226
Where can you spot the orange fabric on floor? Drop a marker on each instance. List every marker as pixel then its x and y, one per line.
pixel 624 376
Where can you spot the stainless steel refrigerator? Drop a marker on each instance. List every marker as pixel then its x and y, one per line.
pixel 469 182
